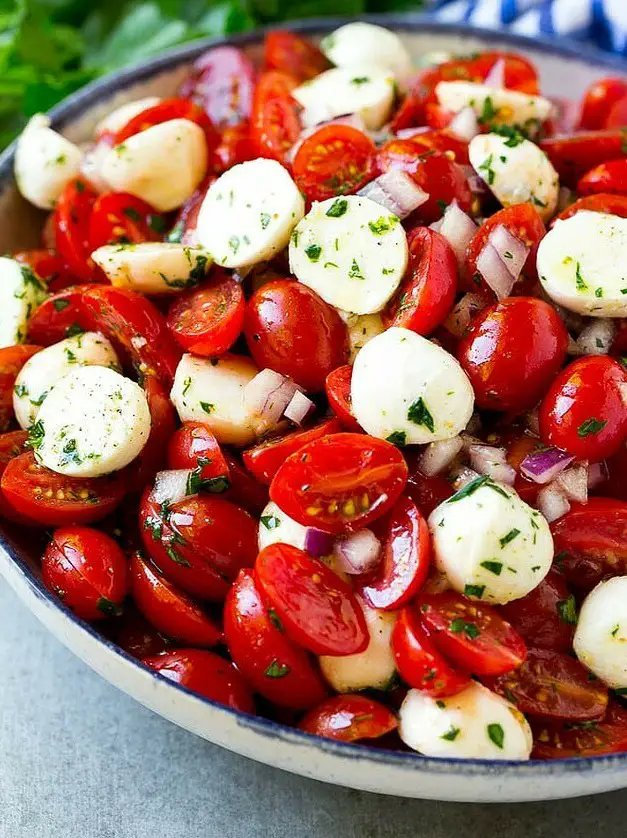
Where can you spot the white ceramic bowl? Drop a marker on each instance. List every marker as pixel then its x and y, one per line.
pixel 565 72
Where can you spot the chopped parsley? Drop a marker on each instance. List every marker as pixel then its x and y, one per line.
pixel 74 330
pixel 157 223
pixel 274 619
pixel 590 426
pixel 355 271
pixel 511 535
pixel 187 383
pixel 579 280
pixel 360 80
pixel 383 224
pixel 270 522
pixel 469 489
pixel 420 414
pixel 234 243
pixel 313 252
pixel 70 453
pixel 493 567
pixel 486 167
pixel 474 591
pixel 496 734
pixel 513 135
pixel 488 112
pixel 451 734
pixel 459 626
pixel 207 407
pixel 397 438
pixel 59 305
pixel 277 670
pixel 36 435
pixel 20 390
pixel 337 208
pixel 567 609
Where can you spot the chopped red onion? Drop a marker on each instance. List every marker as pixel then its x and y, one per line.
pixel 496 76
pixel 544 466
pixel 299 408
pixel 595 339
pixel 439 455
pixel 462 313
pixel 353 120
pixel 552 503
pixel 408 133
pixel 492 461
pixel 170 486
pixel 465 124
pixel 318 543
pixel 565 198
pixel 268 394
pixel 462 476
pixel 494 271
pixel 358 553
pixel 597 474
pixel 457 228
pixel 396 191
pixel 512 251
pixel 622 389
pixel 574 482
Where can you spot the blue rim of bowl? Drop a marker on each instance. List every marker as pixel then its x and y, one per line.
pixel 72 108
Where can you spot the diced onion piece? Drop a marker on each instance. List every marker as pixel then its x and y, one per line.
pixel 462 313
pixel 597 474
pixel 171 486
pixel 439 455
pixel 465 124
pixel 457 228
pixel 496 76
pixel 318 543
pixel 357 553
pixel 268 394
pixel 492 461
pixel 595 338
pixel 545 465
pixel 497 276
pixel 511 250
pixel 462 476
pixel 552 503
pixel 396 191
pixel 565 198
pixel 408 133
pixel 299 408
pixel 573 482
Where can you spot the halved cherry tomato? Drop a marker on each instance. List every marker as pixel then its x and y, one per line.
pixel 517 449
pixel 87 571
pixel 59 316
pixel 588 739
pixel 184 230
pixel 603 202
pixel 48 266
pixel 584 411
pixel 609 177
pixel 338 390
pixel 264 460
pixel 277 669
pixel 443 140
pixel 204 673
pixel 152 457
pixel 71 218
pixel 405 560
pixel 12 359
pixel 437 117
pixel 245 491
pixel 554 686
pixel 574 155
pixel 410 113
pixel 194 446
pixel 512 351
pixel 12 445
pixel 286 51
pixel 349 718
pixel 471 634
pixel 519 72
pixel 427 292
pixel 340 483
pixel 222 83
pixel 54 499
pixel 617 116
pixel 426 492
pixel 291 330
pixel 208 320
pixel 121 218
pixel 598 101
pixel 418 660
pixel 334 160
pixel 164 111
pixel 235 146
pixel 275 123
pixel 546 617
pixel 169 609
pixel 137 637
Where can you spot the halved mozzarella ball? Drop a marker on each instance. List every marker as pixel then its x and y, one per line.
pixel 20 294
pixel 360 88
pixel 361 328
pixel 373 668
pixel 36 380
pixel 406 387
pixel 153 267
pixel 118 118
pixel 494 105
pixel 367 44
pixel 249 213
pixel 474 724
pixel 489 543
pixel 516 174
pixel 93 422
pixel 581 264
pixel 211 390
pixel 275 527
pixel 45 162
pixel 351 251
pixel 600 640
pixel 162 165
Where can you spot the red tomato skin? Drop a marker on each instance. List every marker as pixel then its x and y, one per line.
pixel 291 330
pixel 405 559
pixel 598 100
pixel 222 83
pixel 12 444
pixel 204 673
pixel 48 266
pixel 59 313
pixel 236 146
pixel 87 571
pixel 184 229
pixel 554 740
pixel 245 491
pixel 12 359
pixel 512 351
pixel 137 637
pixel 71 219
pixel 164 111
pixel 427 293
pixel 317 608
pixel 257 644
pixel 119 217
pixel 609 177
pixel 193 446
pixel 169 610
pixel 152 457
pixel 617 116
pixel 264 460
pixel 587 391
pixel 290 53
pixel 602 202
pixel 338 390
pixel 574 155
pixel 340 483
pixel 418 661
pixel 442 139
pixel 537 616
pixel 275 122
pixel 349 718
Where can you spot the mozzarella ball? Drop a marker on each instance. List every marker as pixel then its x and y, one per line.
pixel 248 214
pixel 162 165
pixel 361 329
pixel 601 636
pixel 367 44
pixel 494 105
pixel 153 267
pixel 35 381
pixel 45 162
pixel 275 527
pixel 405 387
pixel 20 294
pixel 351 252
pixel 118 118
pixel 516 174
pixel 581 264
pixel 474 724
pixel 94 421
pixel 489 543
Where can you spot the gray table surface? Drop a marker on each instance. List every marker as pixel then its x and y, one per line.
pixel 78 759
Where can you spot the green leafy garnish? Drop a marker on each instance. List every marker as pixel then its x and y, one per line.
pixel 496 734
pixel 590 426
pixel 420 414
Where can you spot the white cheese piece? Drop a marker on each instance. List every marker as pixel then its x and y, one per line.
pixel 118 118
pixel 582 264
pixel 489 543
pixel 212 391
pixel 162 165
pixel 45 162
pixel 93 422
pixel 409 388
pixel 40 373
pixel 361 328
pixel 20 294
pixel 516 174
pixel 601 636
pixel 153 267
pixel 361 88
pixel 275 527
pixel 351 251
pixel 367 44
pixel 496 105
pixel 248 214
pixel 474 724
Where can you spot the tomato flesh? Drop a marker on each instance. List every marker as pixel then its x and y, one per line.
pixel 286 51
pixel 589 739
pixel 12 359
pixel 349 718
pixel 601 202
pixel 598 101
pixel 121 218
pixel 194 446
pixel 573 156
pixel 275 123
pixel 609 178
pixel 71 227
pixel 338 390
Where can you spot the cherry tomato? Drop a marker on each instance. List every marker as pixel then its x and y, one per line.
pixel 574 155
pixel 338 389
pixel 12 445
pixel 162 424
pixel 410 113
pixel 291 330
pixel 12 359
pixel 426 492
pixel 519 72
pixel 194 446
pixel 293 54
pixel 208 320
pixel 334 160
pixel 275 122
pixel 164 111
pixel 204 673
pixel 222 83
pixel 518 447
pixel 598 101
pixel 584 411
pixel 340 483
pixel 602 202
pixel 559 741
pixel 48 266
pixel 137 637
pixel 276 668
pixel 405 560
pixel 552 685
pixel 60 315
pixel 244 491
pixel 87 571
pixel 418 660
pixel 512 351
pixel 443 140
pixel 617 116
pixel 184 230
pixel 54 499
pixel 235 146
pixel 615 483
pixel 349 718
pixel 438 117
pixel 121 218
pixel 72 219
pixel 609 177
pixel 263 460
pixel 137 327
pixel 546 617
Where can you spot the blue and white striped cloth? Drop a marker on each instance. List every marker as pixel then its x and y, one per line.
pixel 601 22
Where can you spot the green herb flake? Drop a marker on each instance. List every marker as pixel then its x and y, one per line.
pixel 475 591
pixel 486 167
pixel 469 489
pixel 207 407
pixel 493 567
pixel 590 427
pixel 105 606
pixel 270 522
pixel 451 734
pixel 274 619
pixel 383 224
pixel 420 414
pixel 459 626
pixel 313 252
pixel 579 280
pixel 511 535
pixel 36 435
pixel 496 734
pixel 59 305
pixel 338 208
pixel 567 610
pixel 397 438
pixel 355 271
pixel 277 670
